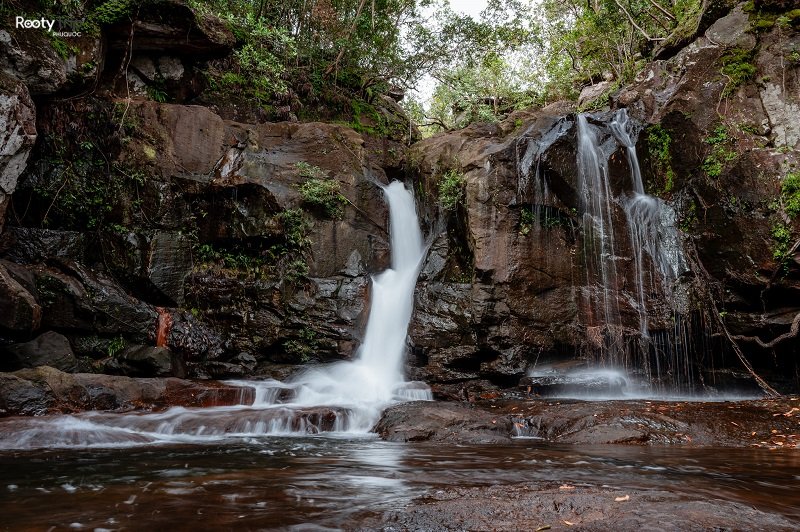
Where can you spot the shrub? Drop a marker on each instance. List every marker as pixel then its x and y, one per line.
pixel 320 191
pixel 451 190
pixel 790 194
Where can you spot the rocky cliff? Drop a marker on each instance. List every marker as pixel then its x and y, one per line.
pixel 194 238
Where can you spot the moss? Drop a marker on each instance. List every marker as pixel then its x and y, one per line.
pixel 304 346
pixel 782 236
pixel 320 191
pixel 737 67
pixel 659 141
pixel 526 219
pixel 721 152
pixel 790 194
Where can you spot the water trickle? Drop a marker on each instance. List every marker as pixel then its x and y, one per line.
pixel 657 258
pixel 596 201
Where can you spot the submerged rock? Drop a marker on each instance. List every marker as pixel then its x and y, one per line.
pixel 561 506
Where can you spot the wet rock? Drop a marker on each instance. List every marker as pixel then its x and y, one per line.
pixel 48 349
pixel 17 134
pixel 578 384
pixel 155 264
pixel 47 390
pixel 21 397
pixel 19 310
pixel 147 361
pixel 561 506
pixel 450 422
pixel 31 245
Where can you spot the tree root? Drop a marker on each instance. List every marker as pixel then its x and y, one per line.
pixel 769 345
pixel 765 387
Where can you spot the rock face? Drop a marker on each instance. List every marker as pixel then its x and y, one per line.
pixel 511 282
pixel 18 126
pixel 175 238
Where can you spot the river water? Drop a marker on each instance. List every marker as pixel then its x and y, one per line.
pixel 328 482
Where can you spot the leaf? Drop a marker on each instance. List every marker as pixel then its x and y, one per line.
pixel 570 523
pixel 623 498
pixel 543 527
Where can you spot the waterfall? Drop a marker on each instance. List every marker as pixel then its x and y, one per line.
pixel 657 258
pixel 341 397
pixel 375 378
pixel 651 225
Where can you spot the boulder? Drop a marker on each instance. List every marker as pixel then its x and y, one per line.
pixel 146 361
pixel 442 422
pixel 48 349
pixel 172 27
pixel 593 92
pixel 28 55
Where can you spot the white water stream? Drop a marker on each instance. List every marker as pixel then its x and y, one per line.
pixel 345 397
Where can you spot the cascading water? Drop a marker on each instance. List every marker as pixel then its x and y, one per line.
pixel 341 397
pixel 596 206
pixel 651 225
pixel 616 283
pixel 375 378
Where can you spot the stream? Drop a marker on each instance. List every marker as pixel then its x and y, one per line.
pixel 332 482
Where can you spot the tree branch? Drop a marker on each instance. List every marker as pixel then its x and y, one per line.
pixel 635 25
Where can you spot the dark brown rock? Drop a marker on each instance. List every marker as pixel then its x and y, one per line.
pixel 46 390
pixel 19 310
pixel 562 506
pixel 449 422
pixel 49 349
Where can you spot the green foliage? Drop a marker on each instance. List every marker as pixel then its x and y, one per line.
pixel 295 270
pixel 659 141
pixel 320 191
pixel 451 190
pixel 790 194
pixel 304 346
pixel 737 67
pixel 526 219
pixel 295 229
pixel 721 151
pixel 115 346
pixel 229 258
pixel 782 235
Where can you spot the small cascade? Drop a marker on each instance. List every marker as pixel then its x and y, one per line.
pixel 656 256
pixel 651 225
pixel 344 397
